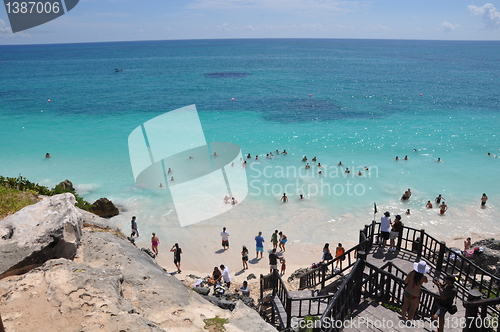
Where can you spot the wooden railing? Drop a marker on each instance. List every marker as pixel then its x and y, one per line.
pixel 482 315
pixel 389 288
pixel 344 301
pixel 328 270
pixel 386 283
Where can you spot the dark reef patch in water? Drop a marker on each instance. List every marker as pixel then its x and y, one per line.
pixel 226 74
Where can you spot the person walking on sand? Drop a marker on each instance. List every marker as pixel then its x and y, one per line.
pixel 259 245
pixel 154 243
pixel 282 241
pixel 339 251
pixel 135 231
pixel 177 256
pixel 225 238
pixel 484 198
pixel 411 296
pixel 244 257
pixel 274 239
pixel 273 261
pixel 442 208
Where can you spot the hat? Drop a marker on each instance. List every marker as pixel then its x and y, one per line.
pixel 421 267
pixel 387 214
pixel 450 278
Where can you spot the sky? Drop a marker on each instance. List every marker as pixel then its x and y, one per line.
pixel 130 20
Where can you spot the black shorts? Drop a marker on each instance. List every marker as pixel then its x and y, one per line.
pixel 225 243
pixel 177 260
pixel 244 258
pixel 385 235
pixel 483 203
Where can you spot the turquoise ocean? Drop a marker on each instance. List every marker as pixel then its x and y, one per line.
pixel 362 102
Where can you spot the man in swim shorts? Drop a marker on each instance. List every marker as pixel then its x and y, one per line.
pixel 259 245
pixel 225 238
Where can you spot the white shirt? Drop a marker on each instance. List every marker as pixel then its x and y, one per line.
pixel 385 224
pixel 225 275
pixel 245 291
pixel 225 236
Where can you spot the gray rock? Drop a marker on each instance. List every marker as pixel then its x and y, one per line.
pixel 103 207
pixel 202 290
pixel 247 319
pixel 67 185
pixel 251 276
pixel 147 251
pixel 90 219
pixel 49 229
pixel 225 304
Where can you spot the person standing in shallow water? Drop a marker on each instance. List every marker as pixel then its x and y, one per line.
pixel 484 198
pixel 154 243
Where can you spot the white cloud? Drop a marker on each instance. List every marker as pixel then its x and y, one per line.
pixel 490 15
pixel 294 6
pixel 378 27
pixel 448 27
pixel 224 27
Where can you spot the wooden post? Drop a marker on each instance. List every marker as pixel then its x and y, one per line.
pixel 471 311
pixel 420 245
pixel 439 264
pixel 323 275
pixel 400 240
pixel 288 312
pixel 261 287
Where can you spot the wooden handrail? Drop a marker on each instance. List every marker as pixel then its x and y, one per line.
pixel 482 302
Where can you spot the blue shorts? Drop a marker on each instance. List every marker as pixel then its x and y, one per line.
pixel 260 249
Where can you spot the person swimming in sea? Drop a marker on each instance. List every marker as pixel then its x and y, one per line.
pixel 428 205
pixel 47 155
pixel 308 166
pixel 284 198
pixel 314 160
pixel 301 197
pixel 339 164
pixel 359 173
pixel 347 170
pixel 304 159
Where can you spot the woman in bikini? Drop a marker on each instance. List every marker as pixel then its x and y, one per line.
pixel 413 281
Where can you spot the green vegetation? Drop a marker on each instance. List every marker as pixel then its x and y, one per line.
pixel 13 200
pixel 308 324
pixel 215 324
pixel 16 193
pixel 391 307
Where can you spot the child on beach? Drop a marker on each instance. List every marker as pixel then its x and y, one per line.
pixel 283 265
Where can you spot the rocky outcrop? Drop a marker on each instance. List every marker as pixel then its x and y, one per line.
pixel 104 208
pixel 110 286
pixel 67 185
pixel 48 229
